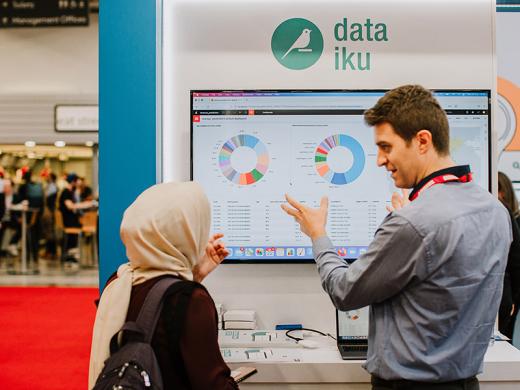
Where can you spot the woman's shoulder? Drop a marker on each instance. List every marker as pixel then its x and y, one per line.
pixel 200 293
pixel 196 290
pixel 192 300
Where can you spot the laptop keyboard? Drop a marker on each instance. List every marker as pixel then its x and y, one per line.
pixel 351 348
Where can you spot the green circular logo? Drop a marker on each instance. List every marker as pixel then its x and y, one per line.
pixel 297 43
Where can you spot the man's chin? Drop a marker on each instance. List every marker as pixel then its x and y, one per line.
pixel 400 184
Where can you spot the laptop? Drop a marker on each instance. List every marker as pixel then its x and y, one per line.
pixel 352 333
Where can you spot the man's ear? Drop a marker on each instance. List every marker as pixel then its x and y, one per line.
pixel 424 140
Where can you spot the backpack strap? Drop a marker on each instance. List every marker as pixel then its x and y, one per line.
pixel 128 328
pixel 143 328
pixel 152 307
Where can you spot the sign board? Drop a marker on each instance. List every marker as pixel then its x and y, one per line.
pixel 76 118
pixel 313 45
pixel 43 13
pixel 508 61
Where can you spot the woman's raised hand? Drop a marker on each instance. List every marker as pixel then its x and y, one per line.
pixel 215 253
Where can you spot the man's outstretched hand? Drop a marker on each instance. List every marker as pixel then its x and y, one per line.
pixel 312 221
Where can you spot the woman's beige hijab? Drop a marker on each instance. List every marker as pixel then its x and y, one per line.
pixel 165 231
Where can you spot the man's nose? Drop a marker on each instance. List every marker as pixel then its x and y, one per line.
pixel 381 159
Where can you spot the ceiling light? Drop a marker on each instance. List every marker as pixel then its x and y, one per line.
pixel 59 144
pixel 30 144
pixel 89 144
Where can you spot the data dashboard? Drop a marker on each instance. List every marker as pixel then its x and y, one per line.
pixel 249 148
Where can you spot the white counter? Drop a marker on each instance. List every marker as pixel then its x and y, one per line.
pixel 325 367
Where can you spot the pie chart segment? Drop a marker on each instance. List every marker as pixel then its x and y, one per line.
pixel 243 159
pixel 339 159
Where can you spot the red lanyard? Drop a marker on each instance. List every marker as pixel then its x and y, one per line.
pixel 443 179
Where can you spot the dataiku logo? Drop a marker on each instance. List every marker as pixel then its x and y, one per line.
pixel 297 43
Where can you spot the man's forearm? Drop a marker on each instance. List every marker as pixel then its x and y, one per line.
pixel 331 268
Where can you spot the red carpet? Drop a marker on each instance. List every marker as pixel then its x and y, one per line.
pixel 45 337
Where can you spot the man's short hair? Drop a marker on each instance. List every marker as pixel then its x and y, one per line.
pixel 71 178
pixel 409 109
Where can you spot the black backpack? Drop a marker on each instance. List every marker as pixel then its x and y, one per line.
pixel 133 364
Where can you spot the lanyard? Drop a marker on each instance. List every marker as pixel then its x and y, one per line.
pixel 443 179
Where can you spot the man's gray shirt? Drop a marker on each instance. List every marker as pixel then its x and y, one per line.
pixel 433 276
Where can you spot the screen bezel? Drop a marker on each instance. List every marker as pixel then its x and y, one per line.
pixel 308 260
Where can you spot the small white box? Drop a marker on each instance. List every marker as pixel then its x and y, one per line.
pixel 240 315
pixel 239 324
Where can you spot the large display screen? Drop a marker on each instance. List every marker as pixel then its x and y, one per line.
pixel 249 148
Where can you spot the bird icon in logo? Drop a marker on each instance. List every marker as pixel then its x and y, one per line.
pixel 301 42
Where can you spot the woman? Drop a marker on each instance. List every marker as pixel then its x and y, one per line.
pixel 506 194
pixel 511 293
pixel 165 232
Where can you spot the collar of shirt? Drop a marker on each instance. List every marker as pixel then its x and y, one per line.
pixel 462 173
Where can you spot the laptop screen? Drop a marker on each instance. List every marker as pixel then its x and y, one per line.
pixel 352 325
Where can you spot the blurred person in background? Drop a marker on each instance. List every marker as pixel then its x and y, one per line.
pixel 70 209
pixel 61 183
pixel 511 293
pixel 2 196
pixel 10 228
pixel 51 192
pixel 3 208
pixel 32 193
pixel 49 220
pixel 83 190
pixel 507 196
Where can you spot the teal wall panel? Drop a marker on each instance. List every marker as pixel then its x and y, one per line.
pixel 127 135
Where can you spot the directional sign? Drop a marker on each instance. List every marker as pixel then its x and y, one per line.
pixel 43 13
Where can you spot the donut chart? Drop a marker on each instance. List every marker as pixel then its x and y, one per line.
pixel 231 146
pixel 338 143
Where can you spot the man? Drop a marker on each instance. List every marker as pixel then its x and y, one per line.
pixel 69 210
pixel 51 194
pixel 433 273
pixel 10 224
pixel 67 203
pixel 32 193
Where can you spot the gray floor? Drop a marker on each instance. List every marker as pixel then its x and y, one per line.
pixel 51 273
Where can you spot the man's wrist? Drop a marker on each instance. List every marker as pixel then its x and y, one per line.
pixel 318 234
pixel 321 244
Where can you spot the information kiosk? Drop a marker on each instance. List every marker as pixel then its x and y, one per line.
pixel 216 60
